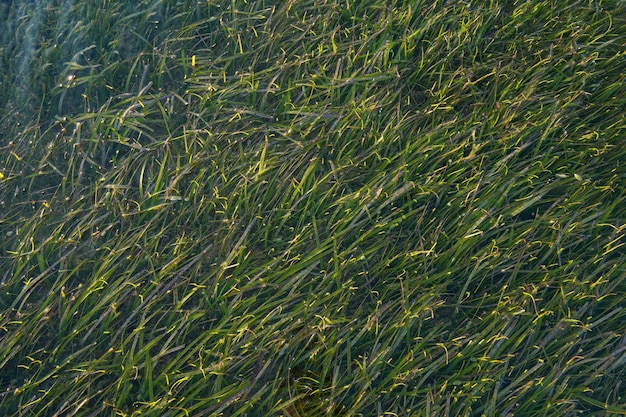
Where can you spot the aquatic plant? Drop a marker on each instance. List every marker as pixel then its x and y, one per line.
pixel 312 208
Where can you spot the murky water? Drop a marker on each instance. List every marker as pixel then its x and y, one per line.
pixel 30 31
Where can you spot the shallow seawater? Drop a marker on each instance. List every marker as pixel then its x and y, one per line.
pixel 37 38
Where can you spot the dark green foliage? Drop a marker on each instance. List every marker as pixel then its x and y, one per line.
pixel 312 208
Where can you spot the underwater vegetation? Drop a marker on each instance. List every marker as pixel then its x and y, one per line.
pixel 307 208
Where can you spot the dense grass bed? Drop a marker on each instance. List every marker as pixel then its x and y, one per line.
pixel 309 208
